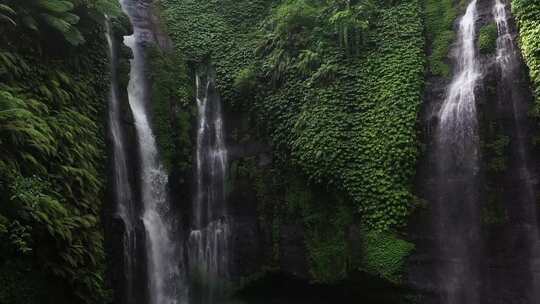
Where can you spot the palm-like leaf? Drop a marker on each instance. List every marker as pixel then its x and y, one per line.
pixel 56 6
pixel 5 14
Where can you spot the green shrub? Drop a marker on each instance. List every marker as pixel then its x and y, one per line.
pixel 172 103
pixel 487 38
pixel 293 16
pixel 439 18
pixel 385 255
pixel 245 81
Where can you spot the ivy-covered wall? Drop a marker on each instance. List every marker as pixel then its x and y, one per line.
pixel 439 19
pixel 54 87
pixel 527 14
pixel 335 89
pixel 172 107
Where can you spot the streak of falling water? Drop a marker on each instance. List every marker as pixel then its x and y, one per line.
pixel 456 215
pixel 122 188
pixel 164 257
pixel 509 64
pixel 458 122
pixel 209 238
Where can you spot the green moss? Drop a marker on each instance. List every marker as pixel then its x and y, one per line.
pixel 385 255
pixel 439 18
pixel 487 38
pixel 497 148
pixel 172 107
pixel 326 240
pixel 494 213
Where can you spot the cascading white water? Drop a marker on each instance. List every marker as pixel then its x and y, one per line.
pixel 458 122
pixel 164 258
pixel 456 219
pixel 122 188
pixel 209 237
pixel 508 61
pixel 506 52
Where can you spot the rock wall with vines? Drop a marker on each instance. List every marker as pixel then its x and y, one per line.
pixel 335 88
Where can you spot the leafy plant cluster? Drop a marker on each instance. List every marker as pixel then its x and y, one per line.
pixel 62 16
pixel 355 130
pixel 52 95
pixel 335 85
pixel 487 38
pixel 171 107
pixel 439 18
pixel 527 14
pixel 384 254
pixel 285 198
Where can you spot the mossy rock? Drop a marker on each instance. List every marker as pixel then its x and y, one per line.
pixel 487 39
pixel 384 254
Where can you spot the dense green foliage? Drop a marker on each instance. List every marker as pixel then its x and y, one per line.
pixel 62 16
pixel 355 129
pixel 439 18
pixel 335 85
pixel 329 126
pixel 527 14
pixel 171 107
pixel 487 38
pixel 52 95
pixel 384 254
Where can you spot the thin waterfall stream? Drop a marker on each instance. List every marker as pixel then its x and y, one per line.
pixel 164 259
pixel 209 237
pixel 456 221
pixel 509 65
pixel 122 189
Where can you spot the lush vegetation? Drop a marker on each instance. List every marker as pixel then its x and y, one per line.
pixel 335 86
pixel 487 38
pixel 53 84
pixel 439 18
pixel 527 14
pixel 171 106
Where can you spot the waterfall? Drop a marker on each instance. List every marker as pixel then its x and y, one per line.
pixel 122 189
pixel 458 122
pixel 456 216
pixel 164 257
pixel 509 64
pixel 208 239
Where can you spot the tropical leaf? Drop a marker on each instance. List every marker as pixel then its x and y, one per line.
pixel 56 6
pixel 74 36
pixel 4 18
pixel 71 18
pixel 56 22
pixel 7 9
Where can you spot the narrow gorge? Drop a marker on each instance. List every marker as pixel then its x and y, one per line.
pixel 269 151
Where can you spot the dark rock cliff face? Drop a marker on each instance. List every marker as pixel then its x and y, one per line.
pixel 252 233
pixel 114 225
pixel 504 248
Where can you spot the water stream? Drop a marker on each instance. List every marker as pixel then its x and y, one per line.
pixel 510 67
pixel 456 220
pixel 122 189
pixel 209 238
pixel 164 257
